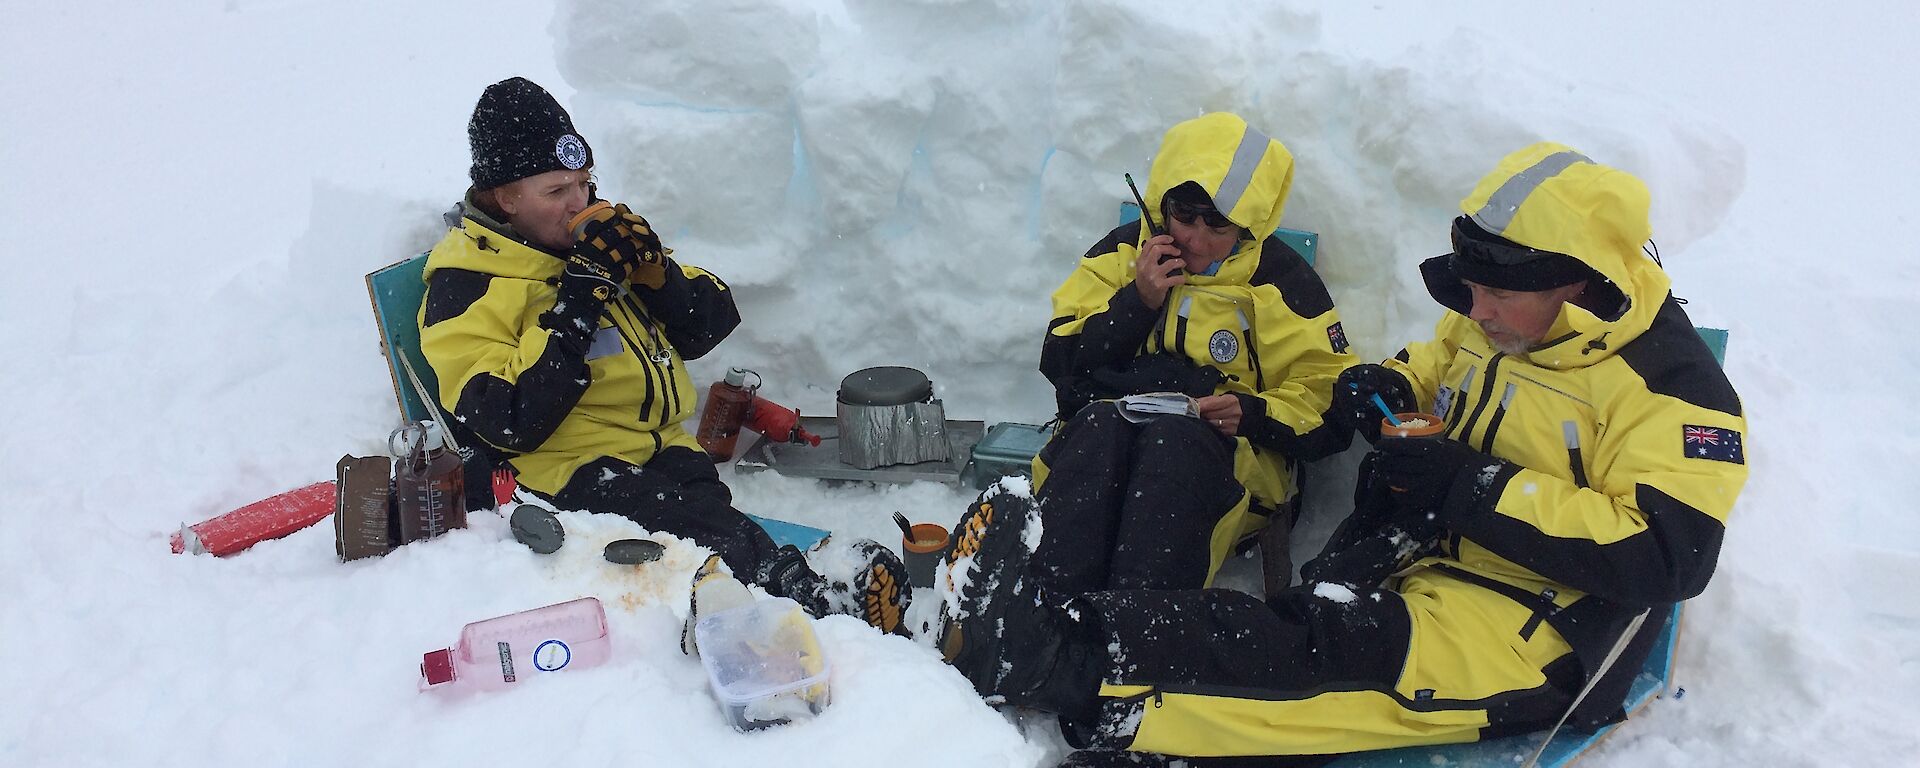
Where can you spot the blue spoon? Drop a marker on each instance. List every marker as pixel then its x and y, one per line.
pixel 1382 405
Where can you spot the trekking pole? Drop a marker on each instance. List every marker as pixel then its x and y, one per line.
pixel 1605 664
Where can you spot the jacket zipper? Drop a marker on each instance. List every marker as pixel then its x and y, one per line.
pixel 1159 338
pixel 1572 433
pixel 1152 692
pixel 1253 353
pixel 1486 395
pixel 1180 325
pixel 646 367
pixel 1453 408
pixel 1499 414
pixel 665 368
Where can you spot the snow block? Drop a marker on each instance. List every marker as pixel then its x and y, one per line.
pixel 268 518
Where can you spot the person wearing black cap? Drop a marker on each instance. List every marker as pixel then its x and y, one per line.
pixel 1514 571
pixel 559 328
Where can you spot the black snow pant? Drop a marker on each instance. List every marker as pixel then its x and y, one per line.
pixel 1132 506
pixel 1319 669
pixel 677 492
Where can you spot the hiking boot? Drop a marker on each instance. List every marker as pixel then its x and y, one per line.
pixel 878 591
pixel 997 630
pixel 862 578
pixel 713 590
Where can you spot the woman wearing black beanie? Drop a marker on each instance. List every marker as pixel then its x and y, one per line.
pixel 560 340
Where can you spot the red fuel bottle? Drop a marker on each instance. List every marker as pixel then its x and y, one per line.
pixel 778 422
pixel 728 401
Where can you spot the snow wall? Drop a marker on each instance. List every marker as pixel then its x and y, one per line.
pixel 890 182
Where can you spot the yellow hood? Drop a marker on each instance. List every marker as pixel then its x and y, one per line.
pixel 478 243
pixel 1551 197
pixel 1246 173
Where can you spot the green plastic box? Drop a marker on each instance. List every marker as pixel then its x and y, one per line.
pixel 1007 449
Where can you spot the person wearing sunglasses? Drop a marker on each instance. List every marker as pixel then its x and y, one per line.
pixel 1197 298
pixel 1507 576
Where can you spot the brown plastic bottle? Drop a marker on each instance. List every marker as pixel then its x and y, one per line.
pixel 429 483
pixel 726 410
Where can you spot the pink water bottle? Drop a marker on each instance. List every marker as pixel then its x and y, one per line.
pixel 499 652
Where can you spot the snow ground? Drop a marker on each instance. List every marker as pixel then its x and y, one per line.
pixel 196 189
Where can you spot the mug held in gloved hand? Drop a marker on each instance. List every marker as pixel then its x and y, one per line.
pixel 1353 396
pixel 614 229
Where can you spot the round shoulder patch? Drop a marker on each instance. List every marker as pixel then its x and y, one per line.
pixel 571 151
pixel 1223 345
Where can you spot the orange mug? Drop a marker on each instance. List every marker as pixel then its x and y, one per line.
pixel 1413 425
pixel 589 213
pixel 923 552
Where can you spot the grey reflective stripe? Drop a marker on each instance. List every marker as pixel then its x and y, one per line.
pixel 1186 306
pixel 1497 214
pixel 1253 146
pixel 1572 433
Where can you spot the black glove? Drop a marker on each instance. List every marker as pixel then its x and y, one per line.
pixel 1366 562
pixel 604 257
pixel 607 251
pixel 787 574
pixel 1368 545
pixel 1353 394
pixel 586 282
pixel 1436 482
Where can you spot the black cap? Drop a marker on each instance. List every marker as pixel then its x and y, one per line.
pixel 1491 260
pixel 519 130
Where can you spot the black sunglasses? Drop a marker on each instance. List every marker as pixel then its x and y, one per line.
pixel 1472 242
pixel 1186 213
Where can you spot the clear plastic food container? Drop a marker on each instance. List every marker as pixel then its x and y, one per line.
pixel 764 663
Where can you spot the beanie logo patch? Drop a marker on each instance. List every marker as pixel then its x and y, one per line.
pixel 570 151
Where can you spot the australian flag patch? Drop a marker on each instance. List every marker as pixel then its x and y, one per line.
pixel 1716 443
pixel 1337 336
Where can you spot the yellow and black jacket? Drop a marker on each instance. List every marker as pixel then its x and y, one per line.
pixel 1622 436
pixel 1264 321
pixel 1620 447
pixel 550 410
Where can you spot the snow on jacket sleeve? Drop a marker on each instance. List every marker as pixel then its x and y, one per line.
pixel 500 375
pixel 694 307
pixel 1099 320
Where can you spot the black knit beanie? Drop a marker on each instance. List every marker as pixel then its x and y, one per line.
pixel 519 130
